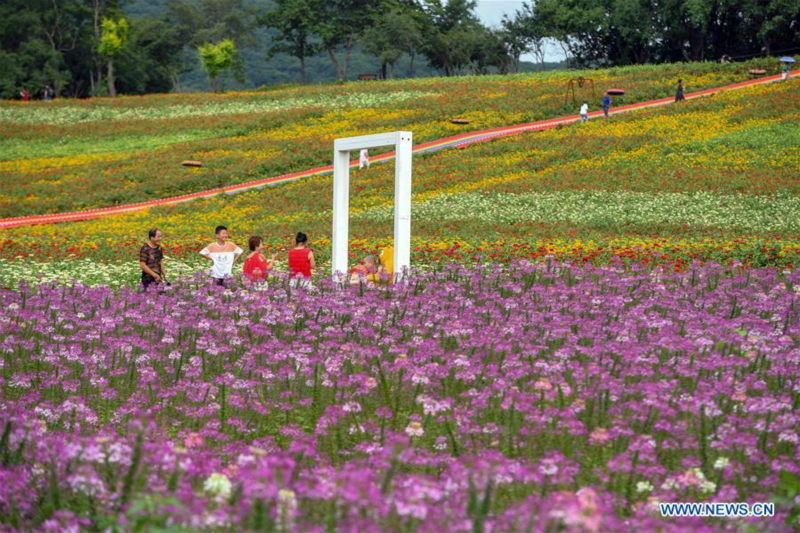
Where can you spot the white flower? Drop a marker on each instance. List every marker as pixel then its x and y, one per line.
pixel 644 486
pixel 721 463
pixel 287 507
pixel 708 486
pixel 669 484
pixel 218 485
pixel 414 429
pixel 352 407
pixel 548 467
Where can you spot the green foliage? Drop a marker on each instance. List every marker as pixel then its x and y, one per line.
pixel 598 32
pixel 337 24
pixel 153 47
pixel 450 34
pixel 393 31
pixel 152 59
pixel 217 57
pixel 788 497
pixel 293 23
pixel 113 37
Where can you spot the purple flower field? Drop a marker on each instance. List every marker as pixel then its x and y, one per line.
pixel 545 397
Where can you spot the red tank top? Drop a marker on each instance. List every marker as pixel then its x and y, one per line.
pixel 299 262
pixel 255 267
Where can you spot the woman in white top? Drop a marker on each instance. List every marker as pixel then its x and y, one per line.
pixel 222 254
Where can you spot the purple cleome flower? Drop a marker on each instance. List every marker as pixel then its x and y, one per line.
pixel 546 397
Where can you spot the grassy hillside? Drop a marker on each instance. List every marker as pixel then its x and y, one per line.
pixel 711 179
pixel 69 155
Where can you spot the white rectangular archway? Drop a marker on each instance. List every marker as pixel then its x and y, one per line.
pixel 401 140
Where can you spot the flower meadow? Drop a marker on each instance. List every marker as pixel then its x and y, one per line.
pixel 601 317
pixel 712 179
pixel 539 397
pixel 66 155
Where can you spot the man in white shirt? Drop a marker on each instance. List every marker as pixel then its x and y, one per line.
pixel 585 112
pixel 222 254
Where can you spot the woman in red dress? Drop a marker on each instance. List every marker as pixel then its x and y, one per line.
pixel 256 265
pixel 301 258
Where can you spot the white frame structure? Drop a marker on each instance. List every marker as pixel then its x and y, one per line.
pixel 401 140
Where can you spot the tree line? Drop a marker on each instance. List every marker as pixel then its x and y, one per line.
pixel 618 32
pixel 101 47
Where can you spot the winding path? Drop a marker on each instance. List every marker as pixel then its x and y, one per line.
pixel 432 146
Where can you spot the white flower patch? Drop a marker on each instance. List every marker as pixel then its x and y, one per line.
pixel 257 103
pixel 775 213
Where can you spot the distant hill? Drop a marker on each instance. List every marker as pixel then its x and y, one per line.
pixel 260 71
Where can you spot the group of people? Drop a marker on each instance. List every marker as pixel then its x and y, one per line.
pixel 585 108
pixel 48 93
pixel 224 253
pixel 584 111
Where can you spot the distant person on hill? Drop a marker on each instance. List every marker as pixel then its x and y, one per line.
pixel 363 158
pixel 150 258
pixel 26 95
pixel 256 265
pixel 48 92
pixel 301 261
pixel 606 105
pixel 679 92
pixel 222 254
pixel 785 68
pixel 585 112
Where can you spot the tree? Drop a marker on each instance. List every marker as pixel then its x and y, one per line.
pixel 451 34
pixel 394 31
pixel 337 24
pixel 40 39
pixel 113 36
pixel 489 50
pixel 216 58
pixel 293 21
pixel 523 34
pixel 773 24
pixel 152 59
pixel 210 21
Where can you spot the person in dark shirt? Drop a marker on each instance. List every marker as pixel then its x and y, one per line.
pixel 679 92
pixel 150 257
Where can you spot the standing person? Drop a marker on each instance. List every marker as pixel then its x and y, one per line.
pixel 585 112
pixel 606 105
pixel 150 257
pixel 222 253
pixel 26 95
pixel 363 158
pixel 679 92
pixel 48 92
pixel 785 68
pixel 301 259
pixel 256 265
